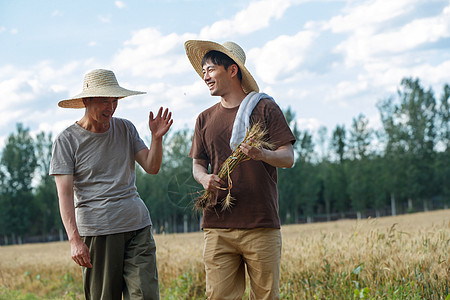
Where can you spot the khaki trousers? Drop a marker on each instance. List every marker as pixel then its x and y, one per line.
pixel 123 264
pixel 228 251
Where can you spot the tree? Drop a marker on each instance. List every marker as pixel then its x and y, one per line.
pixel 290 119
pixel 298 186
pixel 288 189
pixel 411 138
pixel 416 114
pixel 360 137
pixel 19 163
pixel 379 194
pixel 169 195
pixel 46 198
pixel 443 156
pixel 4 206
pixel 335 176
pixel 444 118
pixel 360 180
pixel 338 142
pixel 307 184
pixel 181 187
pixel 321 142
pixel 393 166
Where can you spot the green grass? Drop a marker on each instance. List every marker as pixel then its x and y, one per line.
pixel 325 284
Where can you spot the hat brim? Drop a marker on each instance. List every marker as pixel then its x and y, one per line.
pixel 109 91
pixel 196 50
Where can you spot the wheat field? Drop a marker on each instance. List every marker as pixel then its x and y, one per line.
pixel 401 257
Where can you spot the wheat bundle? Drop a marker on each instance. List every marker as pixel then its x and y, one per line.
pixel 256 136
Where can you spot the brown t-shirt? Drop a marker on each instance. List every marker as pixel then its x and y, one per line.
pixel 254 182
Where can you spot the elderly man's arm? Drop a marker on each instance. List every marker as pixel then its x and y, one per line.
pixel 150 159
pixel 79 250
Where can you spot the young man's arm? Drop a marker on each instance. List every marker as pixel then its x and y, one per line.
pixel 282 157
pixel 200 172
pixel 79 250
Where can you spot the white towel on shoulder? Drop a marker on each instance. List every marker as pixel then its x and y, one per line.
pixel 242 120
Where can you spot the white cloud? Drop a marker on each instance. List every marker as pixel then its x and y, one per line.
pixel 8 117
pixel 310 124
pixel 152 42
pixel 346 89
pixel 56 13
pixel 105 19
pixel 413 34
pixel 377 57
pixel 282 56
pixel 367 42
pixel 33 93
pixel 376 43
pixel 436 76
pixel 16 89
pixel 366 17
pixel 164 94
pixel 256 16
pixel 120 4
pixel 14 31
pixel 65 120
pixel 151 54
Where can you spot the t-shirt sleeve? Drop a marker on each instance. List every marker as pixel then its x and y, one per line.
pixel 138 143
pixel 279 131
pixel 198 150
pixel 62 161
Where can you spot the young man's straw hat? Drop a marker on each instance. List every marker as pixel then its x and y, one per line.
pixel 98 83
pixel 195 50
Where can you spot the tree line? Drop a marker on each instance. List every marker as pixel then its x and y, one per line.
pixel 352 172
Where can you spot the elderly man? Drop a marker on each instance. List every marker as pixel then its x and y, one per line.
pixel 107 223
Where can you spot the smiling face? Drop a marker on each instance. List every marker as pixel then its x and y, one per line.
pixel 217 78
pixel 100 110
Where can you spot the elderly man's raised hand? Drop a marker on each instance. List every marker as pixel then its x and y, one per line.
pixel 160 124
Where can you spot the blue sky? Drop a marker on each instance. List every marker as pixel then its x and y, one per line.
pixel 328 60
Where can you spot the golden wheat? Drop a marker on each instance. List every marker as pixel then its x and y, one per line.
pixel 372 251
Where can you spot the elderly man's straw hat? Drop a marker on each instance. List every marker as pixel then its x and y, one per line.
pixel 195 51
pixel 98 83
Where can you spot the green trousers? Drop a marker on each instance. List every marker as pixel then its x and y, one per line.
pixel 124 264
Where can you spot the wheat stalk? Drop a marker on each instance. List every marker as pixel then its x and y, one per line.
pixel 255 136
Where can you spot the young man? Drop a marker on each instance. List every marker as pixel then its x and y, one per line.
pixel 248 234
pixel 108 225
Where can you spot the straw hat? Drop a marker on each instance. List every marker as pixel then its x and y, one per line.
pixel 195 50
pixel 98 83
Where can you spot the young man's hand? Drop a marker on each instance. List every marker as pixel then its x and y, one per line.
pixel 255 153
pixel 211 182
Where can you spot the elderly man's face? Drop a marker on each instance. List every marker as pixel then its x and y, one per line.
pixel 101 109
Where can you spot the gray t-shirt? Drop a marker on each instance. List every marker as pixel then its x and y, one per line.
pixel 103 169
